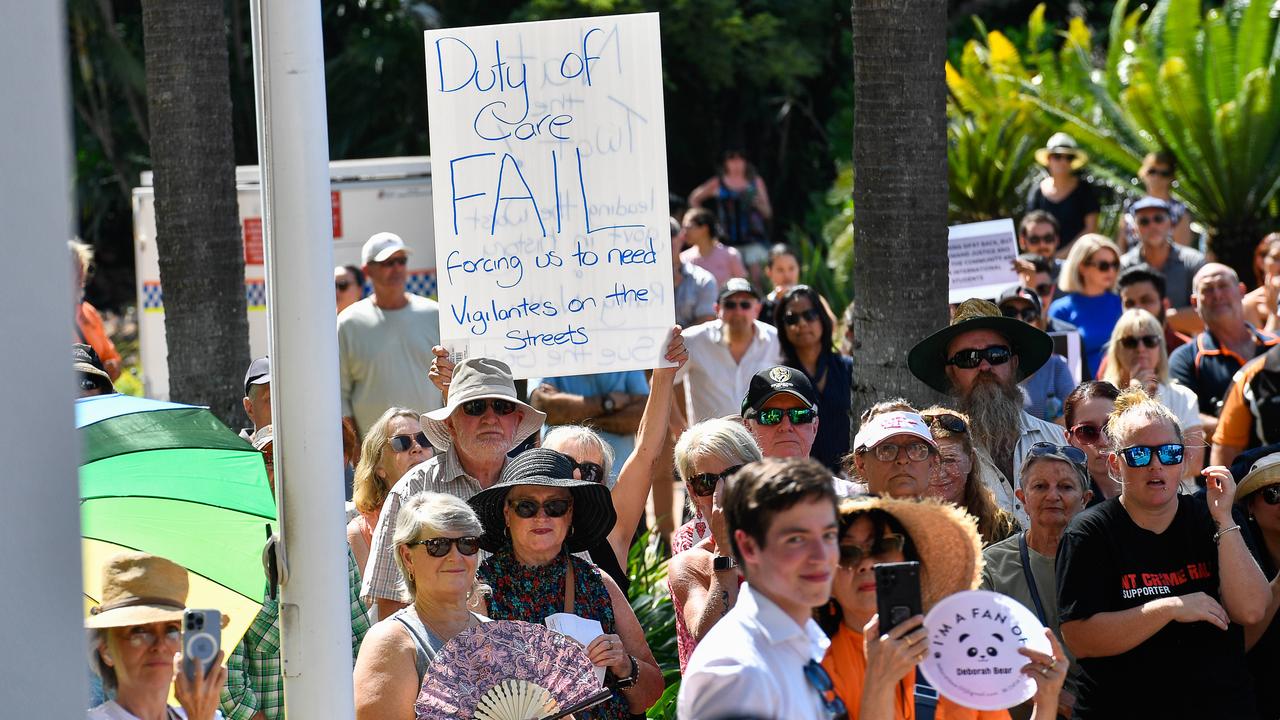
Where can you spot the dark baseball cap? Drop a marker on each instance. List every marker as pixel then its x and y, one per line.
pixel 259 373
pixel 1018 292
pixel 778 379
pixel 733 286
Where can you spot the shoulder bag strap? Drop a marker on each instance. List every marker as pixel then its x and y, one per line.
pixel 1030 578
pixel 568 584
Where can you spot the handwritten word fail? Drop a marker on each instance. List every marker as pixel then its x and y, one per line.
pixel 549 149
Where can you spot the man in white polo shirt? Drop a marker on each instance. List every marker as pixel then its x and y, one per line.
pixel 725 353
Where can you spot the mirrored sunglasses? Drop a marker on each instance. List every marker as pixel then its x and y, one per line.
pixel 476 408
pixel 773 416
pixel 704 484
pixel 439 546
pixel 1140 455
pixel 401 443
pixel 528 508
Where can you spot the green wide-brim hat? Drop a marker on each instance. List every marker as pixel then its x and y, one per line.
pixel 1031 345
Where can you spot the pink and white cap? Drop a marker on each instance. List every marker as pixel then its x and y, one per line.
pixel 886 425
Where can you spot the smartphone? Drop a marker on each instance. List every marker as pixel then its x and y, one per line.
pixel 201 638
pixel 897 593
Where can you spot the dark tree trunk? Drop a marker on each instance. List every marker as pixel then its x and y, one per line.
pixel 1233 245
pixel 900 192
pixel 197 224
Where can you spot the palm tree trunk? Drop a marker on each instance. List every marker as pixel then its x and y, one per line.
pixel 197 223
pixel 900 192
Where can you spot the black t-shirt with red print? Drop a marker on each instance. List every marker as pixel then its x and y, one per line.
pixel 1107 563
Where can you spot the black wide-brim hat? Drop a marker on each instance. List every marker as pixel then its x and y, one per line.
pixel 928 359
pixel 593 513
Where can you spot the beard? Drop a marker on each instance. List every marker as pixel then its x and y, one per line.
pixel 995 415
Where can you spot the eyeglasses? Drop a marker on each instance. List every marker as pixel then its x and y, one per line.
pixel 1044 290
pixel 395 261
pixel 528 508
pixel 1140 455
pixel 1041 239
pixel 1157 172
pixel 140 637
pixel 401 443
pixel 970 358
pixel 704 484
pixel 1103 265
pixel 1271 494
pixel 948 422
pixel 439 546
pixel 1070 452
pixel 589 471
pixel 916 451
pixel 1087 433
pixel 773 416
pixel 819 680
pixel 1026 314
pixel 342 285
pixel 810 315
pixel 852 555
pixel 1157 219
pixel 1148 341
pixel 737 304
pixel 476 408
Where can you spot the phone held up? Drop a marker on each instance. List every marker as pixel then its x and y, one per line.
pixel 897 593
pixel 201 639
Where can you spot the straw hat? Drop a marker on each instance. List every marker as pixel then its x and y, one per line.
pixel 1061 143
pixel 945 536
pixel 137 589
pixel 1266 471
pixel 593 513
pixel 478 379
pixel 928 360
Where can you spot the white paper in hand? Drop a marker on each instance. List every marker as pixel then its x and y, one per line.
pixel 579 628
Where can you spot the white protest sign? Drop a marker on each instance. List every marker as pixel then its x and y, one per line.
pixel 973 657
pixel 548 149
pixel 981 256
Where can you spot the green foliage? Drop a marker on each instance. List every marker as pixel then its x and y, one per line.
pixel 651 602
pixel 827 266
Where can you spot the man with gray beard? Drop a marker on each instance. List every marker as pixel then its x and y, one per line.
pixel 978 360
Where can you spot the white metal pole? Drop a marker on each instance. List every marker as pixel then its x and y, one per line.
pixel 293 137
pixel 44 664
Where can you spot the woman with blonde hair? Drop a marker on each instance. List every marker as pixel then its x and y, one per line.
pixel 1136 357
pixel 392 446
pixel 957 481
pixel 1151 582
pixel 1088 278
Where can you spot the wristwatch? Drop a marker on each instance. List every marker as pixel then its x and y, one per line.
pixel 607 404
pixel 623 683
pixel 723 562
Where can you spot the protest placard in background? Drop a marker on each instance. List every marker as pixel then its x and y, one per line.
pixel 981 256
pixel 548 149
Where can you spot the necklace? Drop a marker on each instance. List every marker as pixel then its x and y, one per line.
pixel 471 620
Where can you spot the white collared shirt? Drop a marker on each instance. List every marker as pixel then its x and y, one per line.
pixel 714 384
pixel 751 663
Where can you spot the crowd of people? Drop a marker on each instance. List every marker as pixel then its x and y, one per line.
pixel 1098 496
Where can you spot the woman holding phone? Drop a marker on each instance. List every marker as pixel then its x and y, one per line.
pixel 135 638
pixel 875 674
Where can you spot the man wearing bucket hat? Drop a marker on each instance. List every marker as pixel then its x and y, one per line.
pixel 483 420
pixel 1259 495
pixel 1072 201
pixel 979 359
pixel 92 377
pixel 385 340
pixel 135 643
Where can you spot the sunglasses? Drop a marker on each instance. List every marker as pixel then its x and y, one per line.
pixel 971 358
pixel 852 555
pixel 1104 265
pixel 476 408
pixel 810 315
pixel 1044 290
pixel 773 416
pixel 1140 455
pixel 1271 494
pixel 1156 219
pixel 439 547
pixel 1148 341
pixel 888 452
pixel 704 484
pixel 1157 172
pixel 1027 314
pixel 395 262
pixel 1072 453
pixel 1061 156
pixel 342 285
pixel 947 421
pixel 401 443
pixel 819 680
pixel 1041 239
pixel 589 471
pixel 147 638
pixel 1087 433
pixel 737 304
pixel 528 508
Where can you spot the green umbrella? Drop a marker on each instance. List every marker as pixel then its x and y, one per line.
pixel 172 480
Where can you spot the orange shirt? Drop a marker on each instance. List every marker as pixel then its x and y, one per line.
pixel 847 665
pixel 90 324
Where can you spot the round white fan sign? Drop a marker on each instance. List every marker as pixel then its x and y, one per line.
pixel 973 657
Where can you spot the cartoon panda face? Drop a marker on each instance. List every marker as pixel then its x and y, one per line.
pixel 973 646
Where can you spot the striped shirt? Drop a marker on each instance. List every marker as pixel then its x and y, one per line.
pixel 443 473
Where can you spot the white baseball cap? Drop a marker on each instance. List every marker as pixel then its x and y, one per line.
pixel 382 246
pixel 886 425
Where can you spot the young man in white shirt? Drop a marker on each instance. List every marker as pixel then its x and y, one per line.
pixel 762 658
